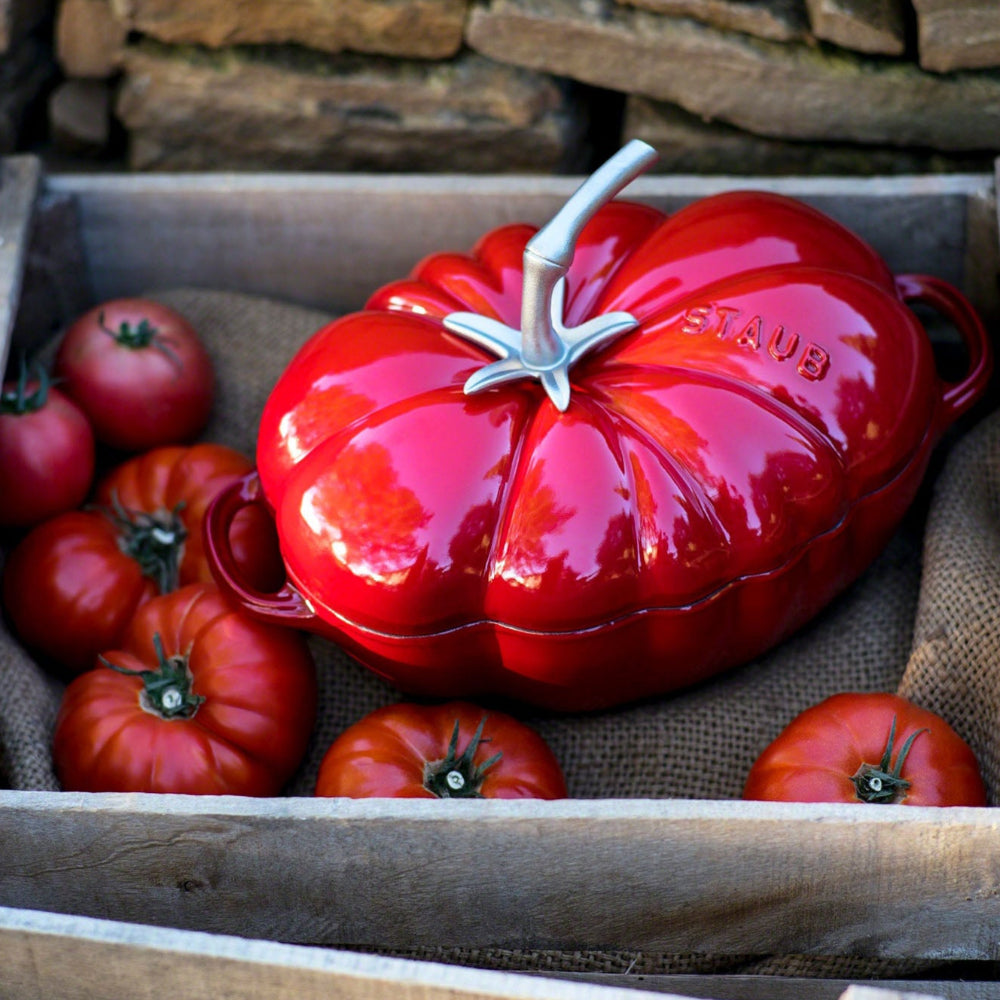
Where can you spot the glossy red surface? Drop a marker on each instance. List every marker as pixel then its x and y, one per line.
pixel 720 474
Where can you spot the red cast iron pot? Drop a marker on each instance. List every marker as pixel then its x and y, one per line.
pixel 604 460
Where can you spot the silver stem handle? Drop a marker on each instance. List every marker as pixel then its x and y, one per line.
pixel 549 252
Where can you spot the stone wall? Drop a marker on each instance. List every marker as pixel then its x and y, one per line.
pixel 718 86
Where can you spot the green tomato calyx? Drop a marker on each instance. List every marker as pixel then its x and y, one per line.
pixel 883 783
pixel 167 691
pixel 20 399
pixel 137 336
pixel 457 777
pixel 154 541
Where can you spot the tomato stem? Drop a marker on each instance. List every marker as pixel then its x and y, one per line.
pixel 18 400
pixel 140 335
pixel 544 348
pixel 167 690
pixel 883 783
pixel 456 777
pixel 154 541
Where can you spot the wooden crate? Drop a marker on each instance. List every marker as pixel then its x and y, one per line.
pixel 49 956
pixel 727 878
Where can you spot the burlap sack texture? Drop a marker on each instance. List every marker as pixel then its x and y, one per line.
pixel 923 620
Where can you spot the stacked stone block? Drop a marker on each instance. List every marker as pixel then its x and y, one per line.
pixel 719 86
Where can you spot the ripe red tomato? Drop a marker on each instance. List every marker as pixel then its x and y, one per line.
pixel 877 748
pixel 198 700
pixel 140 373
pixel 46 451
pixel 90 570
pixel 174 485
pixel 451 750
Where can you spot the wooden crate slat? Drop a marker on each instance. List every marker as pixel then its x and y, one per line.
pixel 20 178
pixel 52 957
pixel 330 240
pixel 671 876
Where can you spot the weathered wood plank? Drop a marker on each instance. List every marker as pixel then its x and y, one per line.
pixel 20 178
pixel 669 877
pixel 744 987
pixel 50 957
pixel 330 240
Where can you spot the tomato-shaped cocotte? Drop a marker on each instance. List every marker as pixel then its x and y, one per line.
pixel 450 751
pixel 197 700
pixel 868 748
pixel 606 459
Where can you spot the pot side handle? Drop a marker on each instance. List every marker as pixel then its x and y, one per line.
pixel 286 606
pixel 957 397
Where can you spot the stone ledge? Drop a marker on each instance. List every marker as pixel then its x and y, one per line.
pixel 688 145
pixel 778 20
pixel 780 90
pixel 877 27
pixel 425 29
pixel 89 39
pixel 958 34
pixel 261 109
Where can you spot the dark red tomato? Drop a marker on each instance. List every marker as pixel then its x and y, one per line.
pixel 453 750
pixel 73 583
pixel 139 371
pixel 165 493
pixel 876 748
pixel 46 451
pixel 70 589
pixel 198 700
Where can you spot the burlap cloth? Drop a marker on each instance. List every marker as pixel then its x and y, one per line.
pixel 924 621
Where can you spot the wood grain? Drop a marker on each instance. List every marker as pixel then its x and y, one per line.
pixel 725 878
pixel 671 876
pixel 330 240
pixel 20 177
pixel 51 957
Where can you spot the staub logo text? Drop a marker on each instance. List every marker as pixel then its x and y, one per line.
pixel 756 333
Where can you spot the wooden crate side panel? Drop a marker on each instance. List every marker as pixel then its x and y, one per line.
pixel 329 241
pixel 47 956
pixel 20 179
pixel 751 987
pixel 661 877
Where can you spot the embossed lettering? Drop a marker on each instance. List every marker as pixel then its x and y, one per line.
pixel 780 347
pixel 814 363
pixel 728 314
pixel 749 336
pixel 695 320
pixel 781 344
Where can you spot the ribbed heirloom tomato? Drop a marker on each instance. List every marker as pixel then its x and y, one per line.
pixel 139 371
pixel 605 459
pixel 89 570
pixel 197 700
pixel 870 747
pixel 451 750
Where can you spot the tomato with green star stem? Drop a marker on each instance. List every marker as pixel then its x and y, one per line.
pixel 139 371
pixel 197 700
pixel 46 450
pixel 90 570
pixel 873 748
pixel 450 750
